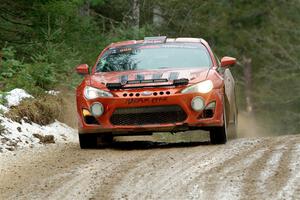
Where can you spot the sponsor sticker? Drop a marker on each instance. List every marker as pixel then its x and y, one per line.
pixel 146 100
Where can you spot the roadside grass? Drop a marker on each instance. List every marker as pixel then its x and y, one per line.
pixel 42 110
pixel 2 98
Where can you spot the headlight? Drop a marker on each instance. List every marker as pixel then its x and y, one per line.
pixel 92 93
pixel 202 87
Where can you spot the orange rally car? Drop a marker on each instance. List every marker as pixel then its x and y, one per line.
pixel 160 84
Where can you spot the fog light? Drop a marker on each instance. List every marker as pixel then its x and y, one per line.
pixel 197 103
pixel 97 109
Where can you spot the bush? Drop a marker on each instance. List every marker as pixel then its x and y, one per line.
pixel 42 110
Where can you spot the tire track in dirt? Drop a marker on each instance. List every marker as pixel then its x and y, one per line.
pixel 252 181
pixel 75 179
pixel 273 171
pixel 96 175
pixel 32 167
pixel 280 172
pixel 165 180
pixel 268 168
pixel 291 189
pixel 274 152
pixel 69 177
pixel 224 178
pixel 155 171
pixel 204 167
pixel 78 184
pixel 260 168
pixel 114 175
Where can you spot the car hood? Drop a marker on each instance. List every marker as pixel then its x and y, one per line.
pixel 194 75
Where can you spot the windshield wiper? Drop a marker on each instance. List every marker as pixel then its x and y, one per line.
pixel 117 86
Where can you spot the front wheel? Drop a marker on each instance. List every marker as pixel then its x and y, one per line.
pixel 218 135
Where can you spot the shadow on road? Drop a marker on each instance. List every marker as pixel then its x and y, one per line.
pixel 133 145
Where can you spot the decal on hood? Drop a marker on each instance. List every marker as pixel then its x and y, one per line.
pixel 169 75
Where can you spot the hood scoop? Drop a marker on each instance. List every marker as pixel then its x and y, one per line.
pixel 123 85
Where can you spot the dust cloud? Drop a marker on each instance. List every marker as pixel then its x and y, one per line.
pixel 69 109
pixel 248 126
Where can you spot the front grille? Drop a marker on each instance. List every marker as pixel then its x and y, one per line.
pixel 148 115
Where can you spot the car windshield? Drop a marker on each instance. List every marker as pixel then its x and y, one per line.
pixel 154 56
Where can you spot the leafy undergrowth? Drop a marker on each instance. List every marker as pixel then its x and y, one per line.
pixel 41 110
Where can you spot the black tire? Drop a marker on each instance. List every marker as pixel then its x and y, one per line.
pixel 91 141
pixel 218 135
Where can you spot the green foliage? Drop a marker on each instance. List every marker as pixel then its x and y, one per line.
pixel 35 76
pixel 61 40
pixel 9 66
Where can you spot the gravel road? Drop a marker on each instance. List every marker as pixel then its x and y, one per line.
pixel 256 168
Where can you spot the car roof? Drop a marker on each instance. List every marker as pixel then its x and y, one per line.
pixel 159 39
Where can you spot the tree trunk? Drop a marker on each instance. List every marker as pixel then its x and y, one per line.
pixel 157 19
pixel 84 10
pixel 136 17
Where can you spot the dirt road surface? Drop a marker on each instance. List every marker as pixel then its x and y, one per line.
pixel 257 168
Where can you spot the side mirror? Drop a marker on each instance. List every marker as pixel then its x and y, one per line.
pixel 82 69
pixel 227 61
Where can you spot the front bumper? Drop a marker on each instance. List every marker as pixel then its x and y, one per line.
pixel 193 119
